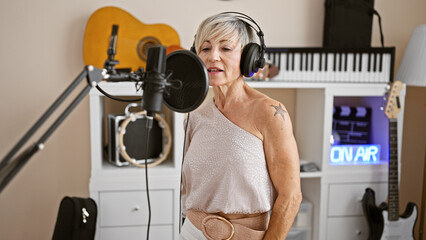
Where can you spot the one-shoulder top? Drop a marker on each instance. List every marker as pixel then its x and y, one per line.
pixel 224 167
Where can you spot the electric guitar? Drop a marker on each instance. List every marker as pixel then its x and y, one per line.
pixel 384 221
pixel 134 38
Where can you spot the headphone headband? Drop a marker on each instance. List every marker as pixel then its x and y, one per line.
pixel 252 57
pixel 247 19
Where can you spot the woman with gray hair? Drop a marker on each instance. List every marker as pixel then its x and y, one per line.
pixel 240 175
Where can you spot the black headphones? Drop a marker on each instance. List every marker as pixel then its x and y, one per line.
pixel 252 57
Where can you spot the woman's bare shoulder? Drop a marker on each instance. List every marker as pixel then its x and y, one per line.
pixel 268 107
pixel 270 115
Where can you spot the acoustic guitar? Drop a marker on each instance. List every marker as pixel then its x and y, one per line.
pixel 134 38
pixel 384 221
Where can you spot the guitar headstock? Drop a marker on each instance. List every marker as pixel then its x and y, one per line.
pixel 393 106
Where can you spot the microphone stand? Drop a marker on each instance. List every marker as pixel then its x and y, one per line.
pixel 10 166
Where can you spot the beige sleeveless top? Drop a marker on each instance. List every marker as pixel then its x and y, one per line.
pixel 224 167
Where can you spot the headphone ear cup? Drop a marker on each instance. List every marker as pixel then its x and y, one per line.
pixel 249 59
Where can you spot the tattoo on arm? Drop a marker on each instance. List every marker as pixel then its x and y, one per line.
pixel 279 110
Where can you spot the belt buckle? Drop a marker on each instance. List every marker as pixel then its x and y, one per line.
pixel 231 226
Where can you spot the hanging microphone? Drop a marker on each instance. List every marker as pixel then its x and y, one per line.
pixel 155 80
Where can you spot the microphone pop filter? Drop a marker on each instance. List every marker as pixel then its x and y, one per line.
pixel 186 67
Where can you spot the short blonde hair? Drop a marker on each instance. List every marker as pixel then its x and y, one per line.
pixel 222 25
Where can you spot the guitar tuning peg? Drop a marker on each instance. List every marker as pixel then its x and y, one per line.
pixel 387 88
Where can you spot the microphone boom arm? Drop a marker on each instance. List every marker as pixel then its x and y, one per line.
pixel 10 166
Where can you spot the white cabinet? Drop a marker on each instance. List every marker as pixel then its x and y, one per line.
pixel 120 192
pixel 335 191
pixel 349 228
pixel 137 233
pixel 132 208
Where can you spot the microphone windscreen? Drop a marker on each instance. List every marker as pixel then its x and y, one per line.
pixel 186 67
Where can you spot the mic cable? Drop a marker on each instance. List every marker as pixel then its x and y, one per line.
pixel 181 175
pixel 148 131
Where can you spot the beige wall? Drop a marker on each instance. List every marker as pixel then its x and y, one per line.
pixel 41 53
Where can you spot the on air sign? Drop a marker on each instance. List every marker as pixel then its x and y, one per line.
pixel 355 154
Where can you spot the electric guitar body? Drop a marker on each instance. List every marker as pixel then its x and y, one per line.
pixel 403 228
pixel 384 221
pixel 134 38
pixel 380 228
pixel 374 214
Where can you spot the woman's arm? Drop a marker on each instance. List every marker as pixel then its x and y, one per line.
pixel 283 165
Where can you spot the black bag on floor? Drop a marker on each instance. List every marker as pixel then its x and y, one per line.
pixel 76 219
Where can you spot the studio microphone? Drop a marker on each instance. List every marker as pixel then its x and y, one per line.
pixel 155 80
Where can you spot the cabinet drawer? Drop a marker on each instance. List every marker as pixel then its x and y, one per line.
pixel 345 199
pixel 347 228
pixel 130 208
pixel 137 233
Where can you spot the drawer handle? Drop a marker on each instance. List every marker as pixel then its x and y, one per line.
pixel 358 232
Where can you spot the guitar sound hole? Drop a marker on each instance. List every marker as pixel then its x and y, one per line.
pixel 145 44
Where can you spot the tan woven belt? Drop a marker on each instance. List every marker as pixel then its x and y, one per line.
pixel 215 227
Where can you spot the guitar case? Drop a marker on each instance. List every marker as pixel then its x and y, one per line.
pixel 76 219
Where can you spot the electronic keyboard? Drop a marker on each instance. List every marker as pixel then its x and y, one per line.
pixel 339 65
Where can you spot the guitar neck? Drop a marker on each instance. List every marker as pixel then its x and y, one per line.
pixel 393 206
